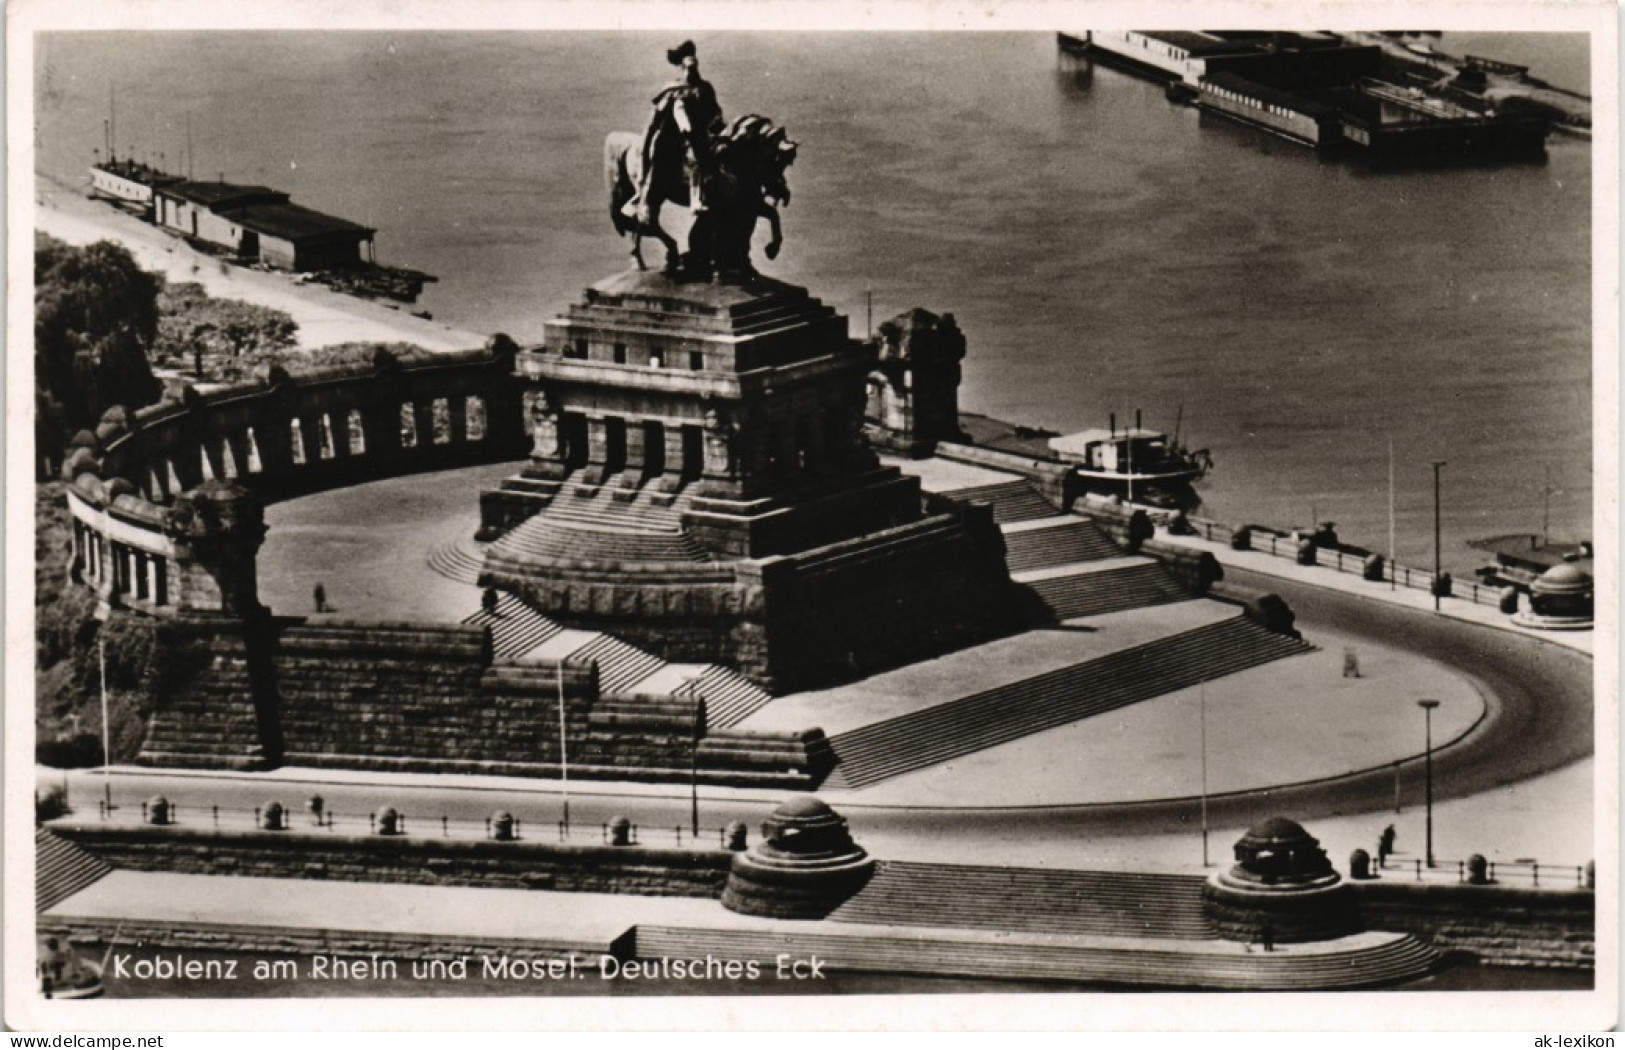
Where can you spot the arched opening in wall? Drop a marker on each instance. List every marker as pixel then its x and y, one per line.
pixel 357 434
pixel 296 441
pixel 228 461
pixel 614 445
pixel 256 465
pixel 474 417
pixel 440 415
pixel 206 465
pixel 573 430
pixel 693 451
pixel 155 485
pixel 409 426
pixel 324 428
pixel 654 448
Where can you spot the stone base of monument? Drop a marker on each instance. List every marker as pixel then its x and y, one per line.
pixel 1282 889
pixel 805 867
pixel 1525 618
pixel 1320 911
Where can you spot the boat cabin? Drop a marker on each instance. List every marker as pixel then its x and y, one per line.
pixel 1113 451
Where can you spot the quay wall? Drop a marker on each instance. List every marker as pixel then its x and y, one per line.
pixel 1498 925
pixel 640 870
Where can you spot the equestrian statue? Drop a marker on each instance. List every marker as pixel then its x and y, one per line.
pixel 729 175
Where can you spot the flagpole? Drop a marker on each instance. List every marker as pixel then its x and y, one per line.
pixel 1204 772
pixel 1393 578
pixel 107 742
pixel 564 754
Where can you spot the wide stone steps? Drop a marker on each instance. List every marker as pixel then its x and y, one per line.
pixel 620 664
pixel 1366 960
pixel 554 539
pixel 1012 500
pixel 876 752
pixel 211 719
pixel 516 627
pixel 1063 544
pixel 1101 903
pixel 460 560
pixel 730 697
pixel 1096 592
pixel 601 507
pixel 61 869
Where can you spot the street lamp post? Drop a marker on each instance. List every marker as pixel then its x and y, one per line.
pixel 1437 567
pixel 1427 707
pixel 694 767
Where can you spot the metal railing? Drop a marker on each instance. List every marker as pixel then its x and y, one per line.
pixel 411 825
pixel 1536 874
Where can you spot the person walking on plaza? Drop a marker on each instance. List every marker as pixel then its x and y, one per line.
pixel 320 594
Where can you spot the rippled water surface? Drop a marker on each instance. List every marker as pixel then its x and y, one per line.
pixel 1102 250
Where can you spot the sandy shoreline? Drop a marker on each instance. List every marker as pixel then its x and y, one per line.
pixel 324 317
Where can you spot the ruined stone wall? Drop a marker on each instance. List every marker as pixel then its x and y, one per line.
pixel 641 870
pixel 1501 925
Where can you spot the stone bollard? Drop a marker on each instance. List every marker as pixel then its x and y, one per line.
pixel 1360 865
pixel 159 811
pixel 1306 552
pixel 737 834
pixel 1373 567
pixel 1478 870
pixel 1509 600
pixel 620 832
pixel 1591 874
pixel 389 822
pixel 1140 529
pixel 502 827
pixel 1180 524
pixel 1242 539
pixel 1443 586
pixel 274 817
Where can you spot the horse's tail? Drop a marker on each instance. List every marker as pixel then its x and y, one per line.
pixel 620 152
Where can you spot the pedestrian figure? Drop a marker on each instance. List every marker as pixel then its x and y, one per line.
pixel 317 805
pixel 1267 935
pixel 1351 664
pixel 320 594
pixel 1386 845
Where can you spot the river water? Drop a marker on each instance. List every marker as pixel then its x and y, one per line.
pixel 1101 249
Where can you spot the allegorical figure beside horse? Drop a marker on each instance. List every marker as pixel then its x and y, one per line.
pixel 729 175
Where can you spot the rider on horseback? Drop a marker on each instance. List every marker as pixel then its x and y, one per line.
pixel 677 146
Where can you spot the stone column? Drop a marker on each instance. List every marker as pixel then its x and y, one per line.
pixel 423 420
pixel 634 446
pixel 457 409
pixel 143 583
pixel 237 443
pixel 597 441
pixel 338 430
pixel 381 432
pixel 275 443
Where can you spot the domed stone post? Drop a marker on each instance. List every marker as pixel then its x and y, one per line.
pixel 805 867
pixel 1281 880
pixel 217 529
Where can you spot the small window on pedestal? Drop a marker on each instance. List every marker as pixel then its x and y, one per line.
pixel 696 361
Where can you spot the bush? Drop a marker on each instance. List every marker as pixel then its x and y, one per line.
pixel 52 804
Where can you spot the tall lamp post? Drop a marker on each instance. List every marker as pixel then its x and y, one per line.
pixel 1437 567
pixel 1427 707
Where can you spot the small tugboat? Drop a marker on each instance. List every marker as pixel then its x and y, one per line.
pixel 1136 463
pixel 66 974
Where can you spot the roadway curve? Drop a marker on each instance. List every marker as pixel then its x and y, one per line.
pixel 1540 718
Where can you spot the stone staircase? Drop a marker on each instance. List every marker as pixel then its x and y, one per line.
pixel 517 628
pixel 555 539
pixel 61 869
pixel 1012 500
pixel 1360 961
pixel 1036 900
pixel 615 505
pixel 1061 541
pixel 730 697
pixel 1103 586
pixel 461 560
pixel 882 750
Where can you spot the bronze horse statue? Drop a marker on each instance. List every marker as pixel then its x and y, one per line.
pixel 744 180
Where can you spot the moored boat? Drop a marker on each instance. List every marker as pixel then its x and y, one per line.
pixel 65 973
pixel 1136 463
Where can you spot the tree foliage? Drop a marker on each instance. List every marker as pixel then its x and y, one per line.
pixel 95 319
pixel 216 339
